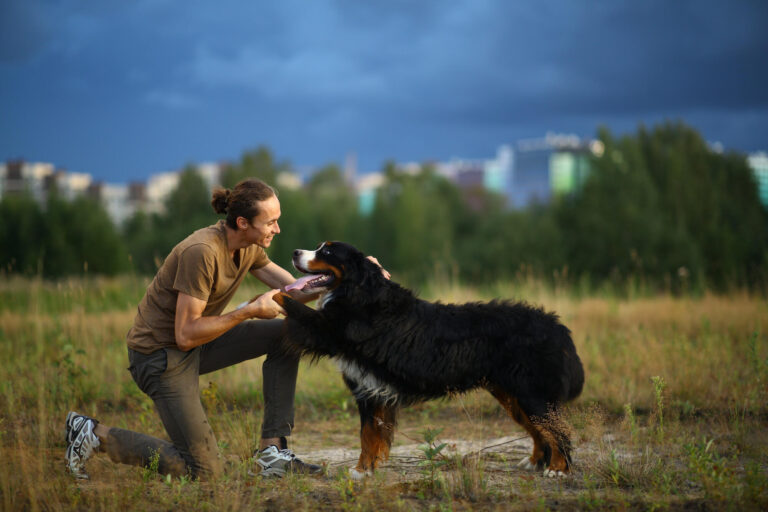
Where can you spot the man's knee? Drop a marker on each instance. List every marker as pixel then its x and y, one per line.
pixel 279 357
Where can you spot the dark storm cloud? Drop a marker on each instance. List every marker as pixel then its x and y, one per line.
pixel 400 79
pixel 22 31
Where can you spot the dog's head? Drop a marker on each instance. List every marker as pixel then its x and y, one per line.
pixel 331 265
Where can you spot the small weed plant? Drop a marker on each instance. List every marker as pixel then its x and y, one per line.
pixel 153 468
pixel 433 457
pixel 712 471
pixel 658 390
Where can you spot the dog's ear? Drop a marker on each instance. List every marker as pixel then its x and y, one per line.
pixel 363 279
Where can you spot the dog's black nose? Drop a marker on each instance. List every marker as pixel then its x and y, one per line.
pixel 296 253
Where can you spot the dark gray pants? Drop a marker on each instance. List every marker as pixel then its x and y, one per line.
pixel 170 377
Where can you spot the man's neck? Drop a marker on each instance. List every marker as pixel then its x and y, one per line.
pixel 235 240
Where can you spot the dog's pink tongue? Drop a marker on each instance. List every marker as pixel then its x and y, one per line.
pixel 299 283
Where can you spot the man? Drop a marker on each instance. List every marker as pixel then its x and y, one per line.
pixel 179 333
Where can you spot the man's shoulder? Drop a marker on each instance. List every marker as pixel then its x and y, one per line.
pixel 208 238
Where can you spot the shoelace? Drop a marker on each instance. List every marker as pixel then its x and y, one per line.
pixel 284 454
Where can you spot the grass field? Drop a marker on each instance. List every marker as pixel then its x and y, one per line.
pixel 674 413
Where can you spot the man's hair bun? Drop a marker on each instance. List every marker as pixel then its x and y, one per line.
pixel 220 200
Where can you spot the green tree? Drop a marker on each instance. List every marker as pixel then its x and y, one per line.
pixel 711 199
pixel 616 227
pixel 254 164
pixel 144 241
pixel 297 227
pixel 412 225
pixel 663 206
pixel 22 229
pixel 94 239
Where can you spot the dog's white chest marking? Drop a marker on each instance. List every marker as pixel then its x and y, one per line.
pixel 368 386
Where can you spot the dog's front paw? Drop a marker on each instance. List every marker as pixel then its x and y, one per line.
pixel 526 464
pixel 354 474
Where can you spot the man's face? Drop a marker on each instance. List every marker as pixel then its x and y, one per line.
pixel 263 228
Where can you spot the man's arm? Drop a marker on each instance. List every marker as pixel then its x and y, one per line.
pixel 192 329
pixel 275 276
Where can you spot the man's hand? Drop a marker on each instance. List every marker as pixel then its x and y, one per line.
pixel 264 307
pixel 383 270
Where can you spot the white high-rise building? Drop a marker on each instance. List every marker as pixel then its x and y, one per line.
pixel 159 187
pixel 29 177
pixel 758 162
pixel 70 185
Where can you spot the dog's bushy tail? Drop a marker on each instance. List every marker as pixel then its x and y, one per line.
pixel 572 377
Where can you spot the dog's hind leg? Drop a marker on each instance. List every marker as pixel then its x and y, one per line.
pixel 377 430
pixel 558 444
pixel 539 457
pixel 551 444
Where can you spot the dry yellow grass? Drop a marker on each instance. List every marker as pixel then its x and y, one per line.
pixel 62 347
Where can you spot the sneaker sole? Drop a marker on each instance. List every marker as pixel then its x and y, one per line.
pixel 271 473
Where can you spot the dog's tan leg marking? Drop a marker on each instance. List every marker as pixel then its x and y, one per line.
pixel 376 439
pixel 558 465
pixel 540 433
pixel 280 298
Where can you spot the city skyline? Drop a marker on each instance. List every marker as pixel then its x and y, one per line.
pixel 123 91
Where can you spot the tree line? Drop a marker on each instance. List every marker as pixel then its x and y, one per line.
pixel 658 206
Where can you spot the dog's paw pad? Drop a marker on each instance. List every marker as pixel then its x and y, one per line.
pixel 354 474
pixel 551 473
pixel 525 463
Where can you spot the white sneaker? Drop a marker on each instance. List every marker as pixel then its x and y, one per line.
pixel 81 443
pixel 277 463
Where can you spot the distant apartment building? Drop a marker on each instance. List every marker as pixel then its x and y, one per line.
pixel 534 170
pixel 159 187
pixel 288 181
pixel 33 178
pixel 758 162
pixel 491 174
pixel 211 173
pixel 39 179
pixel 121 201
pixel 68 185
pixel 366 187
pixel 550 166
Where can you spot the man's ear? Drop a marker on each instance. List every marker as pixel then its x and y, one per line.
pixel 242 223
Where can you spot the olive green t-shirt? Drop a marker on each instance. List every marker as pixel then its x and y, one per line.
pixel 200 266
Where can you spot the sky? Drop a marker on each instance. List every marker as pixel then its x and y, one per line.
pixel 126 89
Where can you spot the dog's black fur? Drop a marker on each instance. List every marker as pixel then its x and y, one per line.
pixel 395 349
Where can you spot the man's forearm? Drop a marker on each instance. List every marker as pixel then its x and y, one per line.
pixel 206 328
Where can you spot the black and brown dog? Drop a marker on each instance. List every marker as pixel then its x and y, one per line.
pixel 394 350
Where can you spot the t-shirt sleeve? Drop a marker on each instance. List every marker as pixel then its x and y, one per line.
pixel 260 259
pixel 194 275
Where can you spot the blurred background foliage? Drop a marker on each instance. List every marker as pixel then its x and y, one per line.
pixel 659 208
